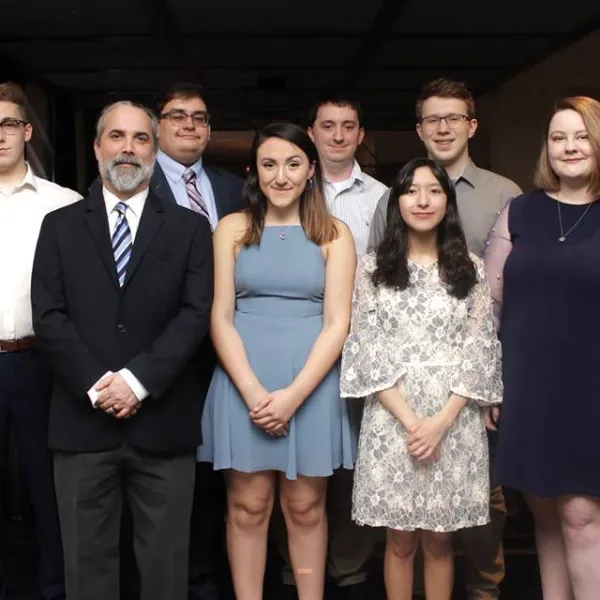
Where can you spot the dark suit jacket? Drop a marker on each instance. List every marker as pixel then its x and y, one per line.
pixel 227 191
pixel 227 188
pixel 154 325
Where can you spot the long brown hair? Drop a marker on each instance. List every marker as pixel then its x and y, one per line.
pixel 589 110
pixel 316 220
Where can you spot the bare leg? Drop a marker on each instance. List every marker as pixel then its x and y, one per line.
pixel 303 506
pixel 400 548
pixel 580 520
pixel 249 506
pixel 439 564
pixel 552 557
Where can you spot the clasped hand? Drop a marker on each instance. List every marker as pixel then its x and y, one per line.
pixel 273 411
pixel 425 437
pixel 116 398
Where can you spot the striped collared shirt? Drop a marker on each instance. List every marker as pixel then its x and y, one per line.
pixel 354 202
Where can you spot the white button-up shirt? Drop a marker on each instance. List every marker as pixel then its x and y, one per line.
pixel 135 206
pixel 354 202
pixel 22 210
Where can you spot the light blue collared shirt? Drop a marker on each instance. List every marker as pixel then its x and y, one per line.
pixel 174 172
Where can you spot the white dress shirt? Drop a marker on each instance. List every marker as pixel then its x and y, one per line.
pixel 354 202
pixel 174 172
pixel 22 210
pixel 135 207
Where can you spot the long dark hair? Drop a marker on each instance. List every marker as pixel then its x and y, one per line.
pixel 455 266
pixel 318 224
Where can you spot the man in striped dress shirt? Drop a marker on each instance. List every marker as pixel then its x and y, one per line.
pixel 335 126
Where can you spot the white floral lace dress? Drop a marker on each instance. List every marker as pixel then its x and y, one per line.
pixel 431 345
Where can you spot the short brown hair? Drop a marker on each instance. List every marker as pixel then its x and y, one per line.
pixel 186 91
pixel 339 100
pixel 446 88
pixel 11 92
pixel 589 110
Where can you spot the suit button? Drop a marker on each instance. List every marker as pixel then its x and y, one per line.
pixel 121 328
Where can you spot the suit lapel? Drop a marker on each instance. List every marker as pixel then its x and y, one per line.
pixel 150 222
pixel 97 221
pixel 219 189
pixel 160 186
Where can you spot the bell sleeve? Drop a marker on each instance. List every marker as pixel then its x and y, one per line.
pixel 371 358
pixel 478 376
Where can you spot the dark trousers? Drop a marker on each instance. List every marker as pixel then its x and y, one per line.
pixel 91 488
pixel 208 559
pixel 483 552
pixel 25 387
pixel 207 534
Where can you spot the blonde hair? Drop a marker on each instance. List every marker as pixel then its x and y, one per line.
pixel 589 110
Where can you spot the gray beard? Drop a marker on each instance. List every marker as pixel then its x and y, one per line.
pixel 126 179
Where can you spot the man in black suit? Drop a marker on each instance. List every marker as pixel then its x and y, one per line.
pixel 121 291
pixel 184 133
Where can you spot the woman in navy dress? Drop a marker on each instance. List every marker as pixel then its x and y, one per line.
pixel 284 272
pixel 548 290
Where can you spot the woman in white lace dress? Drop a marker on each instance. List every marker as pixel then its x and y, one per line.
pixel 423 351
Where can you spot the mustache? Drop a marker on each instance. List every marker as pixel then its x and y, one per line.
pixel 124 159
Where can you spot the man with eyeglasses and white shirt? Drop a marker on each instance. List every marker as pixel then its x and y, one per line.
pixel 25 377
pixel 445 123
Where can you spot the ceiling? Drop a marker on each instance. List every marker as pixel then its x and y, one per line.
pixel 271 59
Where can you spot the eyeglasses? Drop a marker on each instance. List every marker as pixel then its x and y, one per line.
pixel 453 121
pixel 11 126
pixel 180 117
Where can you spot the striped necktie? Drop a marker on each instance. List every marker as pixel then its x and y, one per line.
pixel 121 243
pixel 194 196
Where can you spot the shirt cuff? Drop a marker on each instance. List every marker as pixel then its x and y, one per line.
pixel 93 392
pixel 134 383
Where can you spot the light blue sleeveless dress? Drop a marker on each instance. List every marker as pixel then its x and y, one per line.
pixel 279 315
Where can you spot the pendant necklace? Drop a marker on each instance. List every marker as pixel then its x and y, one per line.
pixel 563 233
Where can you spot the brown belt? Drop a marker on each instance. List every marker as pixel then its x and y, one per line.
pixel 15 345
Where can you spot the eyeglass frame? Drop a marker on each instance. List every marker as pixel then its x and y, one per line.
pixel 12 120
pixel 438 120
pixel 186 115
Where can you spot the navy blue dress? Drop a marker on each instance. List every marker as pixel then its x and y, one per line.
pixel 550 333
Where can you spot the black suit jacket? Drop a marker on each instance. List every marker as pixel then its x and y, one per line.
pixel 227 188
pixel 154 325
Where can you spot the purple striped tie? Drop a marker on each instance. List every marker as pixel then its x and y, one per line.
pixel 194 196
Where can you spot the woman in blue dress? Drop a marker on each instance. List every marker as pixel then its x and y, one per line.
pixel 284 272
pixel 548 291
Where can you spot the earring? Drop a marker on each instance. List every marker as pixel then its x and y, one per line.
pixel 310 183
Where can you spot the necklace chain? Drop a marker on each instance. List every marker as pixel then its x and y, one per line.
pixel 563 234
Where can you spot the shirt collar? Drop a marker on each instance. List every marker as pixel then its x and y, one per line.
pixel 135 204
pixel 355 175
pixel 174 170
pixel 29 180
pixel 469 174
